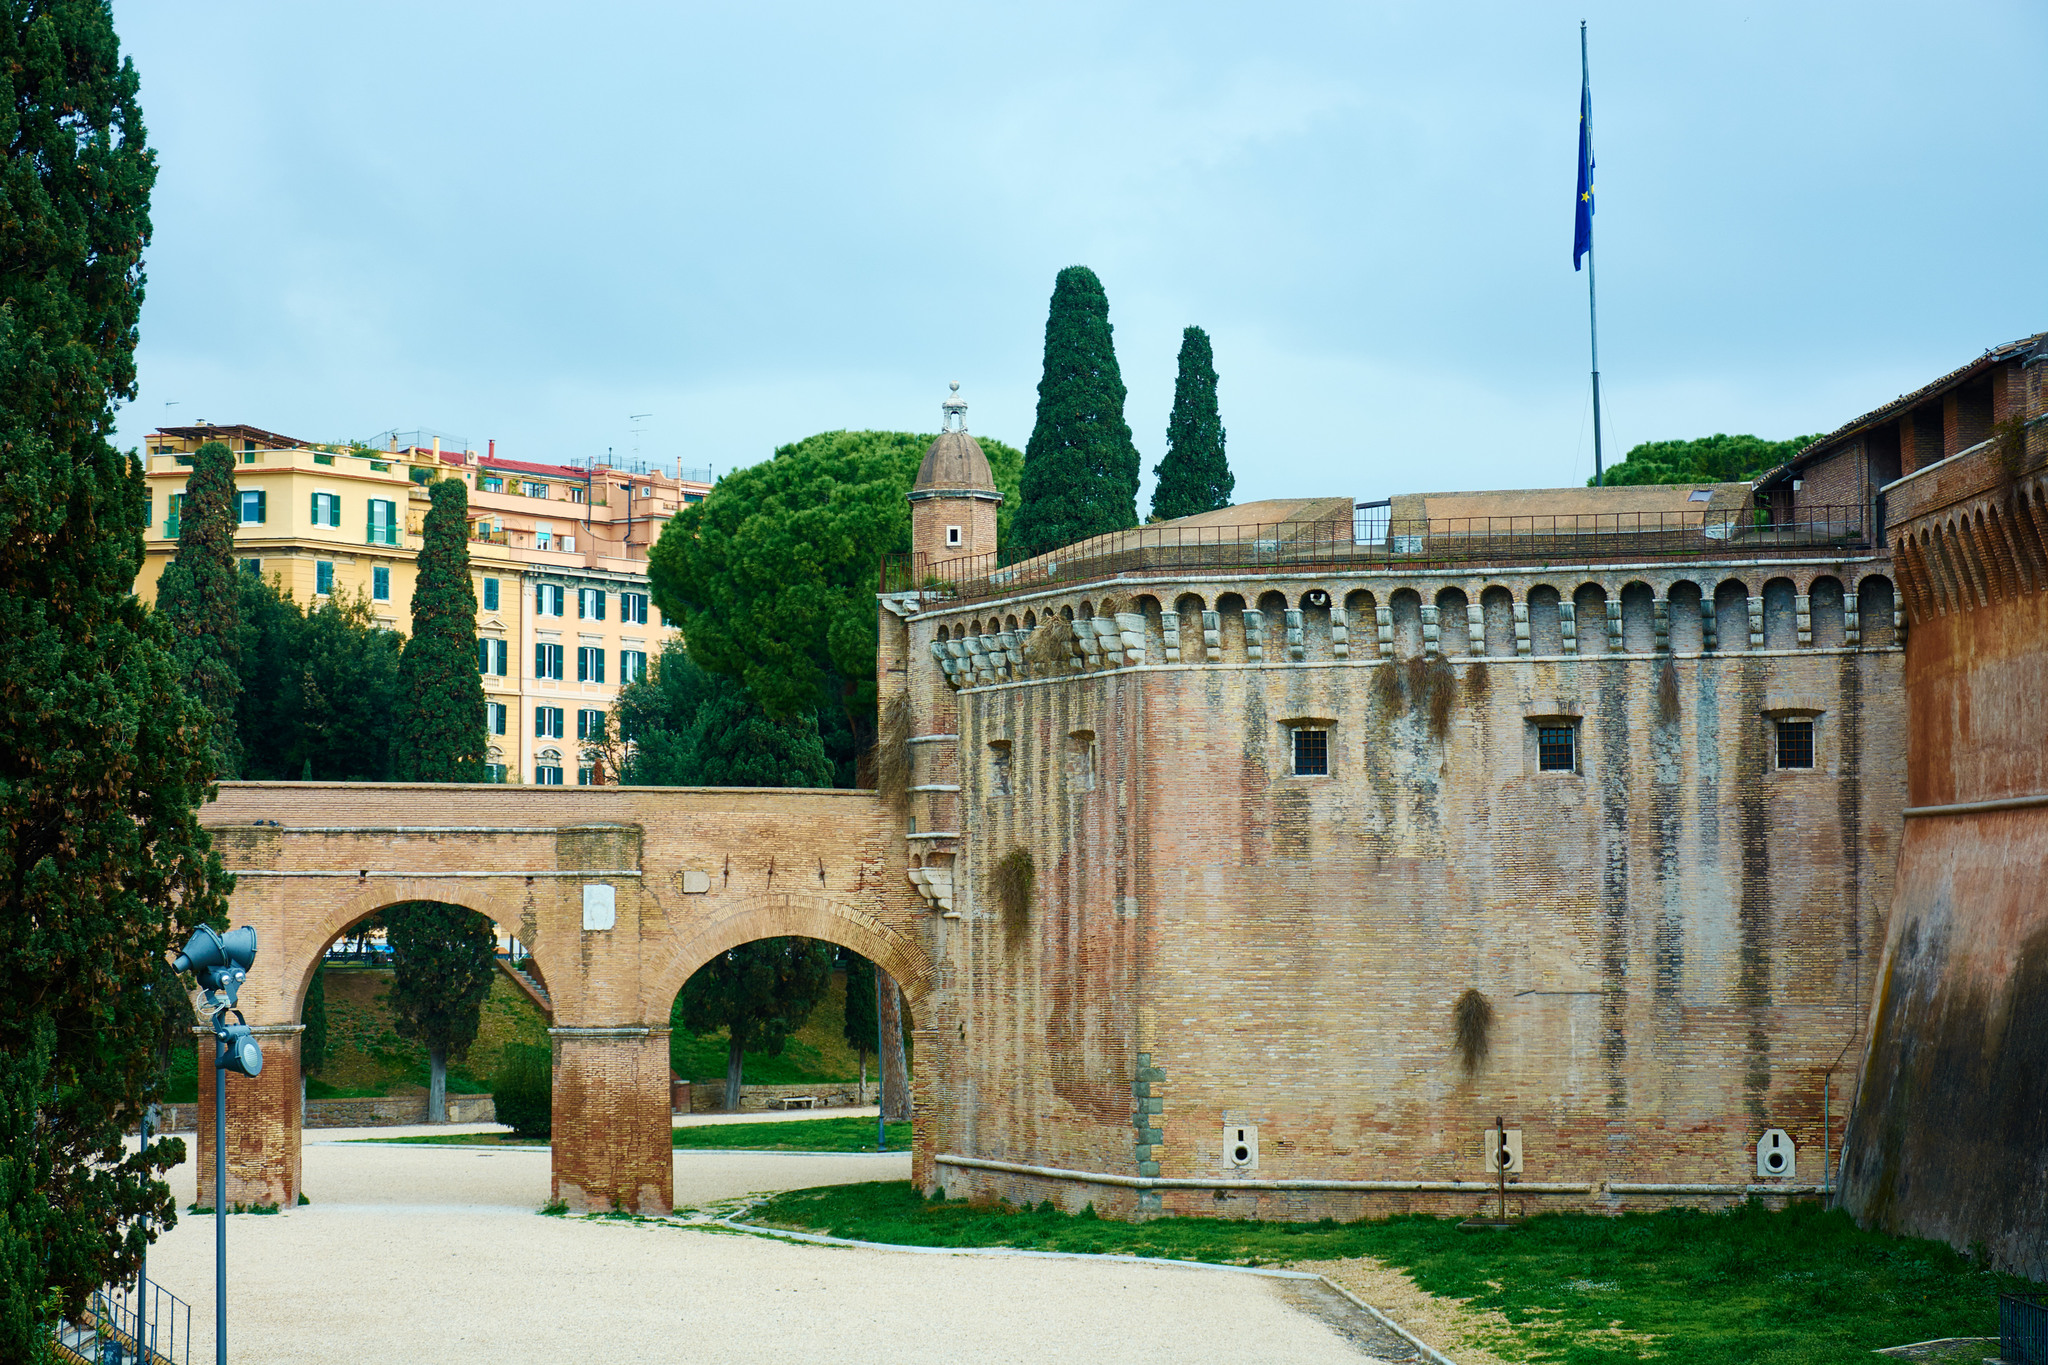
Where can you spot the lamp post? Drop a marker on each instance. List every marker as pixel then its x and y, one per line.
pixel 221 965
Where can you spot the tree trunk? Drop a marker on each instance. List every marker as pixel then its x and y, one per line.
pixel 437 1084
pixel 894 1065
pixel 735 1057
pixel 861 1097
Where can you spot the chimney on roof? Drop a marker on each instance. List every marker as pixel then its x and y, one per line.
pixel 437 450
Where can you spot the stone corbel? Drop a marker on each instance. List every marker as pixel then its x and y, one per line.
pixel 946 664
pixel 1212 635
pixel 1804 606
pixel 1432 635
pixel 1296 644
pixel 1614 626
pixel 1340 633
pixel 935 884
pixel 1255 635
pixel 1756 623
pixel 1521 627
pixel 1131 630
pixel 1385 617
pixel 1568 625
pixel 1169 626
pixel 1661 610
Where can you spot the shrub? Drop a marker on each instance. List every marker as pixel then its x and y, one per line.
pixel 524 1090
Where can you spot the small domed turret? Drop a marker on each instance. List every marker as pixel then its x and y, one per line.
pixel 953 503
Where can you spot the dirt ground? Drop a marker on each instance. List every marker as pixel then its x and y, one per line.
pixel 418 1252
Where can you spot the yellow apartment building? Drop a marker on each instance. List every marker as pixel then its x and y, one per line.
pixel 558 558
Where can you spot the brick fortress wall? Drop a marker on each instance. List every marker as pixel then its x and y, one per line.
pixel 1950 1138
pixel 1677 939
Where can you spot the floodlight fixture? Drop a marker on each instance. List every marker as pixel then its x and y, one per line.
pixel 220 962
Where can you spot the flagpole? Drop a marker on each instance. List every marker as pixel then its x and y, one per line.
pixel 1592 307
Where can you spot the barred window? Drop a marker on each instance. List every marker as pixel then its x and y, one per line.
pixel 1795 743
pixel 1556 749
pixel 1311 753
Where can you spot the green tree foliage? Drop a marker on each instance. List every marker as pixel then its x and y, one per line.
pixel 1707 459
pixel 1194 477
pixel 1081 467
pixel 772 577
pixel 313 1042
pixel 443 960
pixel 861 1029
pixel 523 1090
pixel 200 595
pixel 103 756
pixel 319 689
pixel 691 728
pixel 440 695
pixel 759 993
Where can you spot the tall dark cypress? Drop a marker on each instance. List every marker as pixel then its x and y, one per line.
pixel 1194 477
pixel 1081 468
pixel 201 598
pixel 440 694
pixel 103 762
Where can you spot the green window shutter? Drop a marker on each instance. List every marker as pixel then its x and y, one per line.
pixel 262 506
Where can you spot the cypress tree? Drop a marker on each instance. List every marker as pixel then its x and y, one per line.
pixel 441 696
pixel 1194 477
pixel 444 959
pixel 1081 468
pixel 103 756
pixel 201 597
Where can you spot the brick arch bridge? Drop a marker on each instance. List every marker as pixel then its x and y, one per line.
pixel 620 893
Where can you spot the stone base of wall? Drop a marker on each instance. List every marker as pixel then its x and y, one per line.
pixel 370 1113
pixel 708 1097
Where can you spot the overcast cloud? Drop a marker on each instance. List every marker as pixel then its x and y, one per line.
pixel 529 222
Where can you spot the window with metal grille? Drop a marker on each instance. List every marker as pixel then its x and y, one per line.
pixel 1556 749
pixel 1795 743
pixel 1311 753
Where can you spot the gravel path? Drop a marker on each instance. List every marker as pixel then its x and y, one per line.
pixel 437 1253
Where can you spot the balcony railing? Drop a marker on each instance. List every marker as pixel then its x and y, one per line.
pixel 1340 545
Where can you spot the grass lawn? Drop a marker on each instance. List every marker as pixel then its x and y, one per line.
pixel 797 1135
pixel 1749 1287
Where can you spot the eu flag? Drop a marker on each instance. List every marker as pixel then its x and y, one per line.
pixel 1582 231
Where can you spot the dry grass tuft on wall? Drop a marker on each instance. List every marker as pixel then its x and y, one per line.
pixel 1432 688
pixel 1012 880
pixel 1051 646
pixel 892 750
pixel 1386 688
pixel 1667 693
pixel 1472 1027
pixel 1478 682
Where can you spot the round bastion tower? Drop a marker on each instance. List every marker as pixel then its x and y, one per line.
pixel 953 503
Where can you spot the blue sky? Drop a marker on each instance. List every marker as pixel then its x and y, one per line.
pixel 529 222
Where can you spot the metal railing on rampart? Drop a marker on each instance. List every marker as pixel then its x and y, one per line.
pixel 1337 546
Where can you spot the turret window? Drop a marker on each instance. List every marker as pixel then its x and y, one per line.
pixel 952 535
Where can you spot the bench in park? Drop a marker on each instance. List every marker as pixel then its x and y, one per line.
pixel 793 1102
